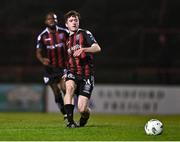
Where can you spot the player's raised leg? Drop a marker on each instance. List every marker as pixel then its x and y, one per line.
pixel 84 110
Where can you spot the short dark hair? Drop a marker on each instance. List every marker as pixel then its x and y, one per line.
pixel 72 13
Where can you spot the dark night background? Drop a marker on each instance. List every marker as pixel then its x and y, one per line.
pixel 140 39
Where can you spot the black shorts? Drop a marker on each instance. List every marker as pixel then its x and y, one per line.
pixel 52 75
pixel 85 85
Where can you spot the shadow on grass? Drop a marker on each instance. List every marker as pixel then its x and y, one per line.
pixel 99 125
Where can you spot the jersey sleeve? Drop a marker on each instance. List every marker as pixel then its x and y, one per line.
pixel 89 38
pixel 39 43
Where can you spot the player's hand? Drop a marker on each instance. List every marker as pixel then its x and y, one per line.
pixel 65 71
pixel 45 61
pixel 78 52
pixel 64 77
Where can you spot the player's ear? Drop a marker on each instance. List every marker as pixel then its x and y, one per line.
pixel 45 22
pixel 66 25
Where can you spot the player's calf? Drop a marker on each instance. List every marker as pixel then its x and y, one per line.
pixel 84 119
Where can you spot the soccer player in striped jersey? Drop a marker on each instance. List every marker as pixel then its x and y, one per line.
pixel 51 52
pixel 80 78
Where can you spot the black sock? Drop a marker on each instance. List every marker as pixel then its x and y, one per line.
pixel 60 102
pixel 61 108
pixel 69 108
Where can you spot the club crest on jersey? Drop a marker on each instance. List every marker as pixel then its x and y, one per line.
pixel 74 48
pixel 61 36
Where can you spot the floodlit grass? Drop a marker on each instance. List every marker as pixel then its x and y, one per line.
pixel 101 127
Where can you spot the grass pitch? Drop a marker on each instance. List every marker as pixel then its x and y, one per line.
pixel 50 127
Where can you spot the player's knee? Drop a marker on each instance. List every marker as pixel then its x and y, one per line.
pixel 63 88
pixel 55 90
pixel 70 88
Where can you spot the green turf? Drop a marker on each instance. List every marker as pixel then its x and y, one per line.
pixel 47 127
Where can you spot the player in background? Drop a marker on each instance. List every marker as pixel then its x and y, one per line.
pixel 50 51
pixel 80 77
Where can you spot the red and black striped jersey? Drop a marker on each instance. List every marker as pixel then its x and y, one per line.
pixel 53 46
pixel 84 64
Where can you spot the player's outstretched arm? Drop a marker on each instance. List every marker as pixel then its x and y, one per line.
pixel 93 49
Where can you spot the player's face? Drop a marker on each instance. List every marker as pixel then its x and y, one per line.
pixel 51 20
pixel 72 23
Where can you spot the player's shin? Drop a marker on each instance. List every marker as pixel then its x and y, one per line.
pixel 60 103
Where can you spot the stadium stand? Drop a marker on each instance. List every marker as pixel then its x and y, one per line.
pixel 139 39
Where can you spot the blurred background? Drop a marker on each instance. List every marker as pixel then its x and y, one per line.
pixel 139 65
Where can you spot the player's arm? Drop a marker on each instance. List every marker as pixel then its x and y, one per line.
pixel 39 55
pixel 43 60
pixel 93 48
